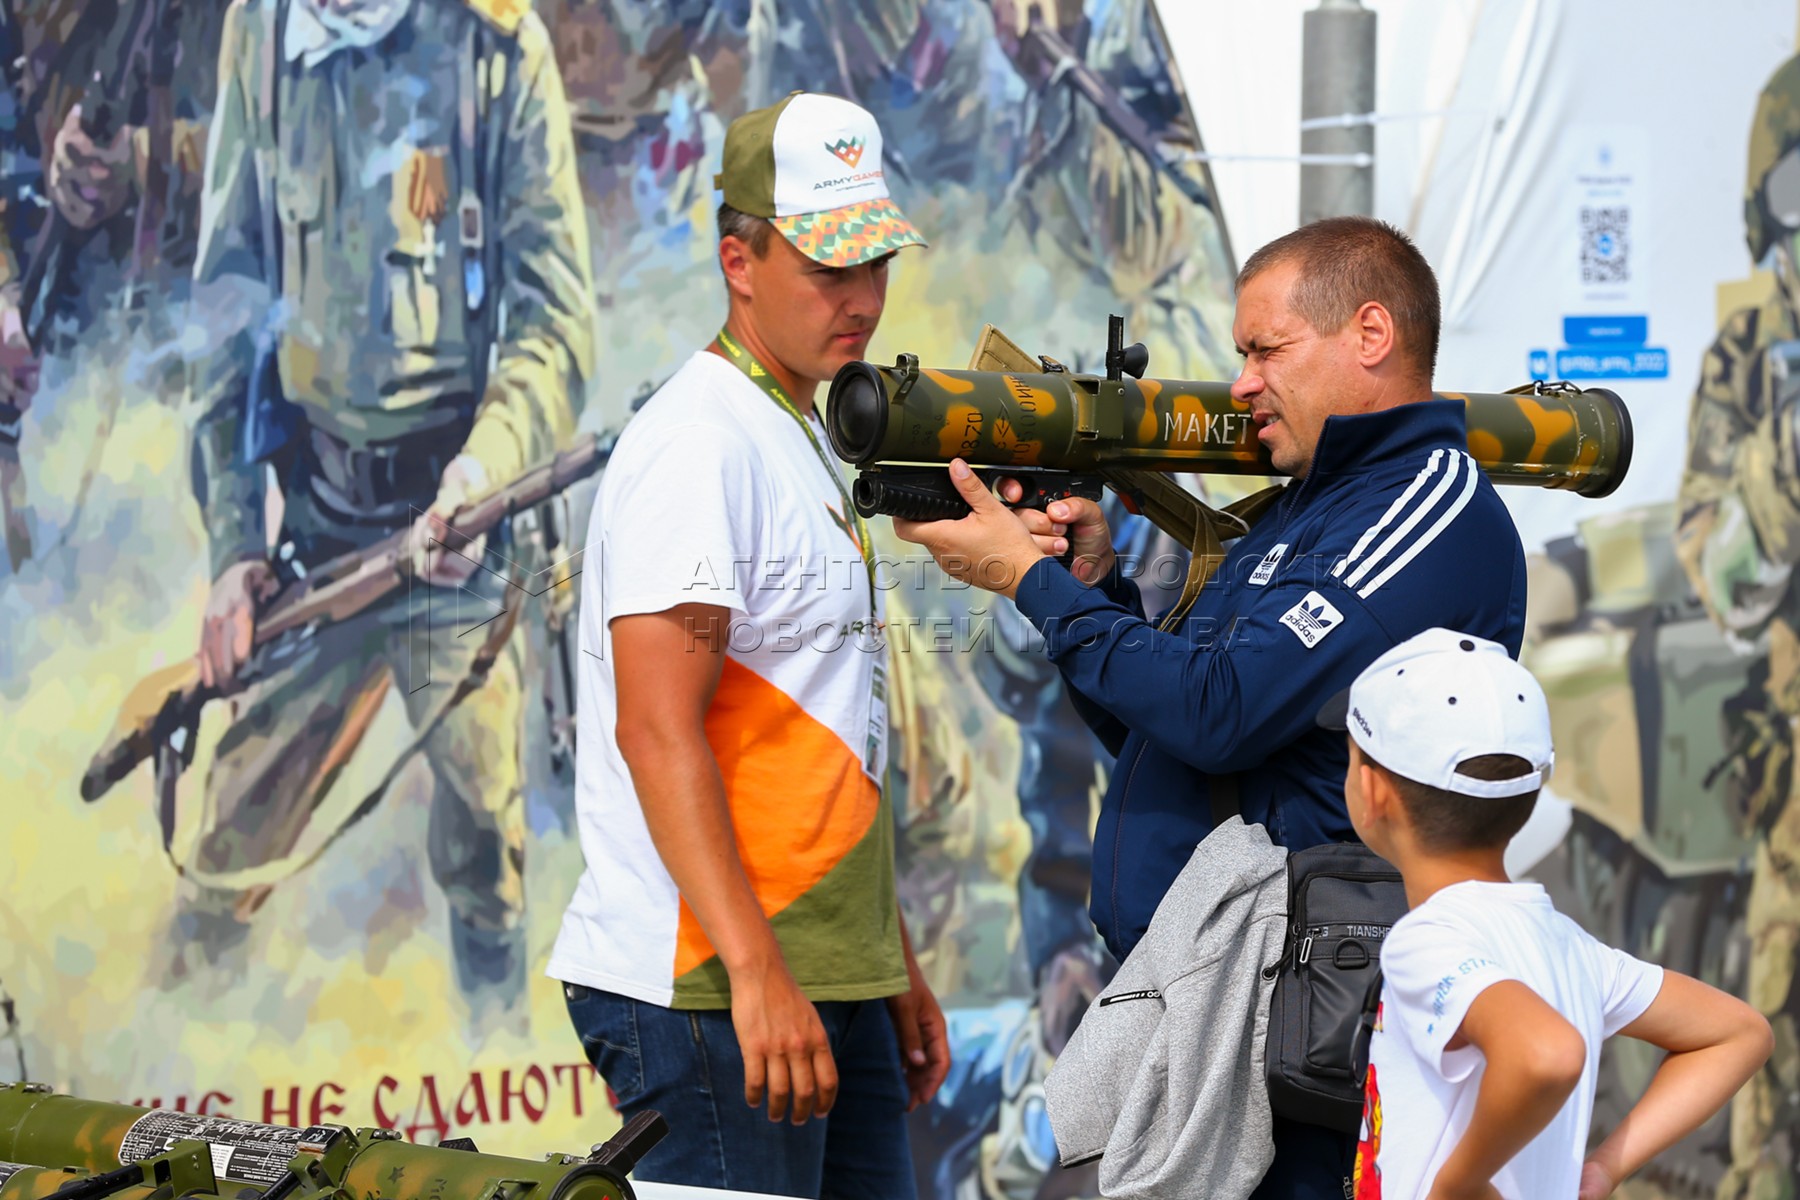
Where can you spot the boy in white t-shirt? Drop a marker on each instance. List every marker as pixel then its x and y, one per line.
pixel 1482 1047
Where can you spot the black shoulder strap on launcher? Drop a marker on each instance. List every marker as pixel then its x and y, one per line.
pixel 1203 529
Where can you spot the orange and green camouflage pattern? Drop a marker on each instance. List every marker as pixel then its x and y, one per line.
pixel 852 235
pixel 185 1170
pixel 1556 437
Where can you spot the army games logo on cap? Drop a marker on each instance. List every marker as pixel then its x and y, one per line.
pixel 812 165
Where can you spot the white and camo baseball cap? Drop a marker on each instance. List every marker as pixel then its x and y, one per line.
pixel 1436 701
pixel 812 165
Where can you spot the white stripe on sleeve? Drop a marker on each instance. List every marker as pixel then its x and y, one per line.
pixel 1470 474
pixel 1374 531
pixel 1418 513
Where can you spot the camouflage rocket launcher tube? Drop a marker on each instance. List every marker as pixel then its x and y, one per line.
pixel 24 1181
pixel 21 1181
pixel 40 1128
pixel 1555 436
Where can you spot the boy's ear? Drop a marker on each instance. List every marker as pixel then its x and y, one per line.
pixel 1381 800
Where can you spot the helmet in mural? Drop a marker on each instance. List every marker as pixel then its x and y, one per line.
pixel 1774 142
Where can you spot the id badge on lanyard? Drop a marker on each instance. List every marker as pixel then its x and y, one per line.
pixel 878 718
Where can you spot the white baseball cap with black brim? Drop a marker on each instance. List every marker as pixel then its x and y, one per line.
pixel 1441 698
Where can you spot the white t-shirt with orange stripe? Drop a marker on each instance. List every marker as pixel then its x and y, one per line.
pixel 714 496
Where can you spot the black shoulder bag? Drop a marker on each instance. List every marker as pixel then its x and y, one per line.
pixel 1342 900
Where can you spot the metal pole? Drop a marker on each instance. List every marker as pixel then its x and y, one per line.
pixel 1337 80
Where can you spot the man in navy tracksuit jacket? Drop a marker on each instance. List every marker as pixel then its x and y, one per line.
pixel 1388 529
pixel 1392 532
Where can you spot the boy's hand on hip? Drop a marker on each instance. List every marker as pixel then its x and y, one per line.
pixel 786 1054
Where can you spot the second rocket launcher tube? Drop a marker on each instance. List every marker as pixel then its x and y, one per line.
pixel 40 1128
pixel 1556 437
pixel 22 1181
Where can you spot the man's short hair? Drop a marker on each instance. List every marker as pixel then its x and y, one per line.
pixel 1447 822
pixel 1344 263
pixel 754 232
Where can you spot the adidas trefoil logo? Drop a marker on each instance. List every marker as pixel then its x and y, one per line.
pixel 1312 619
pixel 1265 570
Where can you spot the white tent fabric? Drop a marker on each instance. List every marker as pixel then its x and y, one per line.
pixel 1522 89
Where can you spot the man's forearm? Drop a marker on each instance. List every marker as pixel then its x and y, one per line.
pixel 683 798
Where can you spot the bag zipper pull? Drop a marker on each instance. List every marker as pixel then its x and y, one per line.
pixel 1305 951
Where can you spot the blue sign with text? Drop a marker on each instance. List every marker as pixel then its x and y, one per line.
pixel 1613 331
pixel 1602 348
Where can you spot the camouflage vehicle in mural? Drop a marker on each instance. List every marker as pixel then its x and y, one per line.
pixel 1640 680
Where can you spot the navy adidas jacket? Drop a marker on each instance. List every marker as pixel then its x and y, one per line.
pixel 1394 530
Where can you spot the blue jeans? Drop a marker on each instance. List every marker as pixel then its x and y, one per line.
pixel 1311 1163
pixel 685 1064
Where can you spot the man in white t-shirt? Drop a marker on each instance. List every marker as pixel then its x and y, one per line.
pixel 1482 1046
pixel 736 938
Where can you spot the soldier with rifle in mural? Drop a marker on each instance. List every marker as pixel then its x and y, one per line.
pixel 1739 539
pixel 391 191
pixel 104 112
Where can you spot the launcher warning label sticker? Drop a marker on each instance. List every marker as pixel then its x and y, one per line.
pixel 242 1151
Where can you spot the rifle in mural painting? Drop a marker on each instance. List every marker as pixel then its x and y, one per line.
pixel 157 719
pixel 1112 109
pixel 130 83
pixel 110 100
pixel 1067 434
pixel 62 1148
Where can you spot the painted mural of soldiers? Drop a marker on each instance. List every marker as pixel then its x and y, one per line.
pixel 391 191
pixel 1024 162
pixel 102 134
pixel 133 194
pixel 1067 198
pixel 1739 539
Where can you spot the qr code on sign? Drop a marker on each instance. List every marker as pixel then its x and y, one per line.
pixel 1606 245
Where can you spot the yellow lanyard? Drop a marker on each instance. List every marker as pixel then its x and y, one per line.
pixel 759 375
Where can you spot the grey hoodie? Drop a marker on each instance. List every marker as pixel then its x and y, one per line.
pixel 1163 1080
